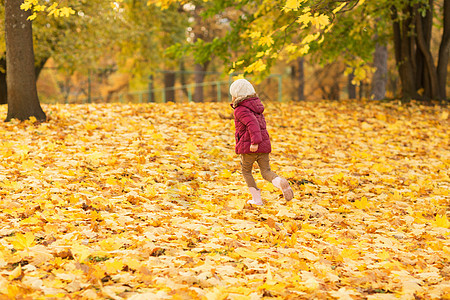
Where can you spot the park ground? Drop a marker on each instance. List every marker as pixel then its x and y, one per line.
pixel 146 201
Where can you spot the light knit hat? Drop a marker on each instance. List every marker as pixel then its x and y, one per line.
pixel 241 88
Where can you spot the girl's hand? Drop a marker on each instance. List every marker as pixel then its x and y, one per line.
pixel 254 147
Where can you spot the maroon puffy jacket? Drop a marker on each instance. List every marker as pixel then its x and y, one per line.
pixel 251 126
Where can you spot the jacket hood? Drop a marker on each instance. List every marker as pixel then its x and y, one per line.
pixel 254 104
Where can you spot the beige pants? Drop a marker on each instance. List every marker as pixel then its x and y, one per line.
pixel 263 161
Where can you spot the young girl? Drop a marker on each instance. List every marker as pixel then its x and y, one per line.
pixel 252 139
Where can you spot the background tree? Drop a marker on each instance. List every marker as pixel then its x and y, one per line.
pixel 202 30
pixel 76 45
pixel 23 101
pixel 54 38
pixel 260 36
pixel 266 32
pixel 412 29
pixel 3 86
pixel 147 32
pixel 380 76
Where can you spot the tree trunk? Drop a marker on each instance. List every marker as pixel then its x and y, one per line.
pixel 419 76
pixel 169 84
pixel 428 72
pixel 444 52
pixel 3 88
pixel 351 87
pixel 151 87
pixel 199 76
pixel 403 45
pixel 301 79
pixel 23 101
pixel 379 79
pixel 362 90
pixel 335 91
pixel 422 77
pixel 183 79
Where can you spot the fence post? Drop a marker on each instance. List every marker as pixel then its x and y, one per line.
pixel 150 88
pixel 280 87
pixel 89 86
pixel 219 92
pixel 230 80
pixel 189 90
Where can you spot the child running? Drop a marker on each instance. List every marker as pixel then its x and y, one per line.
pixel 252 139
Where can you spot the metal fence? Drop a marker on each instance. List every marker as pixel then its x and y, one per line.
pixel 85 89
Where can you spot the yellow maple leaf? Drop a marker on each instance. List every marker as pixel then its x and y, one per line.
pixel 28 164
pixel 362 203
pixel 190 147
pixel 236 202
pixel 349 253
pixel 94 158
pixel 257 66
pixel 309 256
pixel 320 21
pixel 34 220
pixel 32 17
pixel 111 181
pixel 16 273
pixel 66 12
pixel 265 40
pixel 244 252
pixel 38 7
pixel 22 241
pixel 110 244
pixel 304 50
pixel 80 252
pixel 132 263
pixel 150 191
pixel 338 177
pixel 305 19
pixel 13 291
pixel 225 174
pixel 292 5
pixel 311 284
pixel 27 5
pixel 310 37
pixel 384 255
pixel 441 221
pixel 397 196
pixel 254 35
pixel 291 48
pixel 113 266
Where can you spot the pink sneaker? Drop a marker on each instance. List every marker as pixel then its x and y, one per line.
pixel 283 184
pixel 286 188
pixel 256 197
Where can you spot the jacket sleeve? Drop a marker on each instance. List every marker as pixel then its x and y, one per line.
pixel 248 118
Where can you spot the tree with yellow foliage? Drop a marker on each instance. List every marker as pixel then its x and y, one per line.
pixel 21 80
pixel 269 31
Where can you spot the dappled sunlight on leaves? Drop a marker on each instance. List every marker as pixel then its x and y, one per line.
pixel 146 201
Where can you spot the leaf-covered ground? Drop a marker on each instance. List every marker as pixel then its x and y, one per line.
pixel 147 202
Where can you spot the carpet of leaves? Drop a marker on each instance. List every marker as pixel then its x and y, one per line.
pixel 146 201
